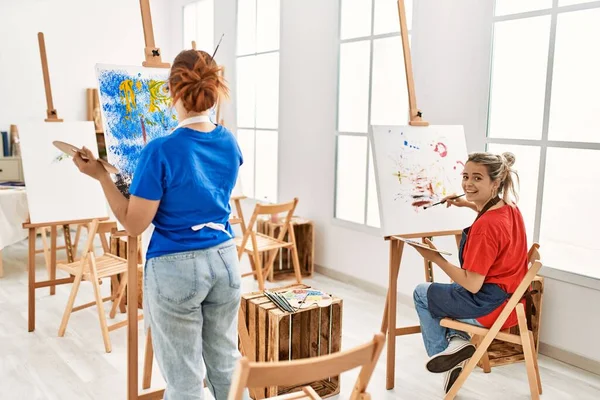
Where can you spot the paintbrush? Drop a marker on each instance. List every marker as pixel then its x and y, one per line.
pixel 443 201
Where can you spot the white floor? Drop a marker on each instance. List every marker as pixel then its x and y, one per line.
pixel 40 365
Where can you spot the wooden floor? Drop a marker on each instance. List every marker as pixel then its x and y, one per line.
pixel 40 365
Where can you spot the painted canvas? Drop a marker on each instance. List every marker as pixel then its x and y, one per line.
pixel 56 190
pixel 136 108
pixel 417 167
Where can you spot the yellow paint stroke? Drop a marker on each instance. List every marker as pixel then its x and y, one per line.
pixel 400 176
pixel 127 95
pixel 159 94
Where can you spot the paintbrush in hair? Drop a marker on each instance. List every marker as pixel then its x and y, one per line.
pixel 443 201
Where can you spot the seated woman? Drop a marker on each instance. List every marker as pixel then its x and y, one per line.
pixel 493 258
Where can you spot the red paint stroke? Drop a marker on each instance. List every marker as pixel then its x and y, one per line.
pixel 441 149
pixel 143 130
pixel 461 163
pixel 421 203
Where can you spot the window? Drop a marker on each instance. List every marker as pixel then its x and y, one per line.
pixel 544 108
pixel 371 91
pixel 258 96
pixel 198 25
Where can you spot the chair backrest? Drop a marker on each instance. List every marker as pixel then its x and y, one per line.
pixel 533 256
pixel 287 373
pixel 270 209
pixel 88 249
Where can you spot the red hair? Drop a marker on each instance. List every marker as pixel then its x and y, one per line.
pixel 196 80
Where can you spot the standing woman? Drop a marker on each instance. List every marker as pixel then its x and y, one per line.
pixel 493 258
pixel 182 185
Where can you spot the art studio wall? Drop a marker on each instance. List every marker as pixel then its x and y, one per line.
pixel 78 35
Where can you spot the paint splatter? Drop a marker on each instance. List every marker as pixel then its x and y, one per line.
pixel 441 149
pixel 460 163
pixel 136 108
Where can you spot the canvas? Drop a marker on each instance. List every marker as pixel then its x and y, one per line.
pixel 417 167
pixel 56 190
pixel 136 108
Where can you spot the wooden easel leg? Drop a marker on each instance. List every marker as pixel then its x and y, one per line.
pixel 384 321
pixel 528 352
pixel 76 243
pixel 148 358
pixel 396 248
pixel 53 258
pixel 31 281
pixel 44 236
pixel 132 322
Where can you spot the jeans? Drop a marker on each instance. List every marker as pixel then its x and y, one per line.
pixel 435 336
pixel 191 303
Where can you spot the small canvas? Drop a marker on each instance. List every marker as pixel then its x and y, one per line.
pixel 417 167
pixel 56 190
pixel 136 108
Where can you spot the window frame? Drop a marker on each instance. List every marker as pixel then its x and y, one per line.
pixel 371 38
pixel 544 143
pixel 257 128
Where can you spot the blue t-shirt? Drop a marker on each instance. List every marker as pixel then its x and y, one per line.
pixel 192 173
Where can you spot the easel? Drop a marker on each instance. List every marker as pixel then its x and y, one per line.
pixel 52 282
pixel 388 324
pixel 153 59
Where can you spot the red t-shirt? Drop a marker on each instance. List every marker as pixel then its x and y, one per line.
pixel 497 248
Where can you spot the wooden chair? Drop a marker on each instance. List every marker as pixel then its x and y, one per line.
pixel 254 243
pixel 287 373
pixel 484 336
pixel 93 269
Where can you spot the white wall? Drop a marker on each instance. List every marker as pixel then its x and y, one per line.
pixel 79 34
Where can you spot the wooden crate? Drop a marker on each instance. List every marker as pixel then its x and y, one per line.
pixel 502 353
pixel 283 268
pixel 277 335
pixel 118 247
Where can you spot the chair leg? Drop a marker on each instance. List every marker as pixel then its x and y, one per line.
pixel 527 352
pixel 70 303
pixel 148 358
pixel 76 242
pixel 101 313
pixel 259 270
pixel 485 359
pixel 270 261
pixel 294 250
pixel 119 296
pixel 535 363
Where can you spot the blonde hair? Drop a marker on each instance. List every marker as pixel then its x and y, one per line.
pixel 499 168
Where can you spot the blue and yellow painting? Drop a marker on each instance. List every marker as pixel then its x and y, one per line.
pixel 136 108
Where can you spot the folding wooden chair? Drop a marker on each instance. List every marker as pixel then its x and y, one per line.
pixel 254 244
pixel 93 269
pixel 484 336
pixel 288 373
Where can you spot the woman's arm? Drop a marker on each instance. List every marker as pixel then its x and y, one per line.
pixel 469 280
pixel 134 214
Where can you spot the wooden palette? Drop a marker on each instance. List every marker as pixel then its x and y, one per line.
pixel 72 150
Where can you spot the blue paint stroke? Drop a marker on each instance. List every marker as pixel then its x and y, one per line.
pixel 123 123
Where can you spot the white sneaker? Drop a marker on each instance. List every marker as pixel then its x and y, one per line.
pixel 452 376
pixel 458 351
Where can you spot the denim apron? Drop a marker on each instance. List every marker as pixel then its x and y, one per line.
pixel 454 301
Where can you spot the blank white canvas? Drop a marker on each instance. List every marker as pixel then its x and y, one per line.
pixel 417 166
pixel 56 190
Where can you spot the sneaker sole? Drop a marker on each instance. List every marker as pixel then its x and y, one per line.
pixel 445 362
pixel 452 377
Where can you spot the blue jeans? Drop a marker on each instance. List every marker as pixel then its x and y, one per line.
pixel 191 302
pixel 435 336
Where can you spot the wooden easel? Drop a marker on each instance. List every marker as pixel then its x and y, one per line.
pixel 153 59
pixel 388 324
pixel 52 282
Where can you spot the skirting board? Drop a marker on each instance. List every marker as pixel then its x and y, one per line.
pixel 559 354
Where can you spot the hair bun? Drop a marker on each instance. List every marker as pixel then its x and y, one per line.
pixel 508 158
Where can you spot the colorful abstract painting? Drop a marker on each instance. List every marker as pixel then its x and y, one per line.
pixel 56 190
pixel 416 167
pixel 136 108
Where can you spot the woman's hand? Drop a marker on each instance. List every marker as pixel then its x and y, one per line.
pixel 89 165
pixel 458 202
pixel 429 255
